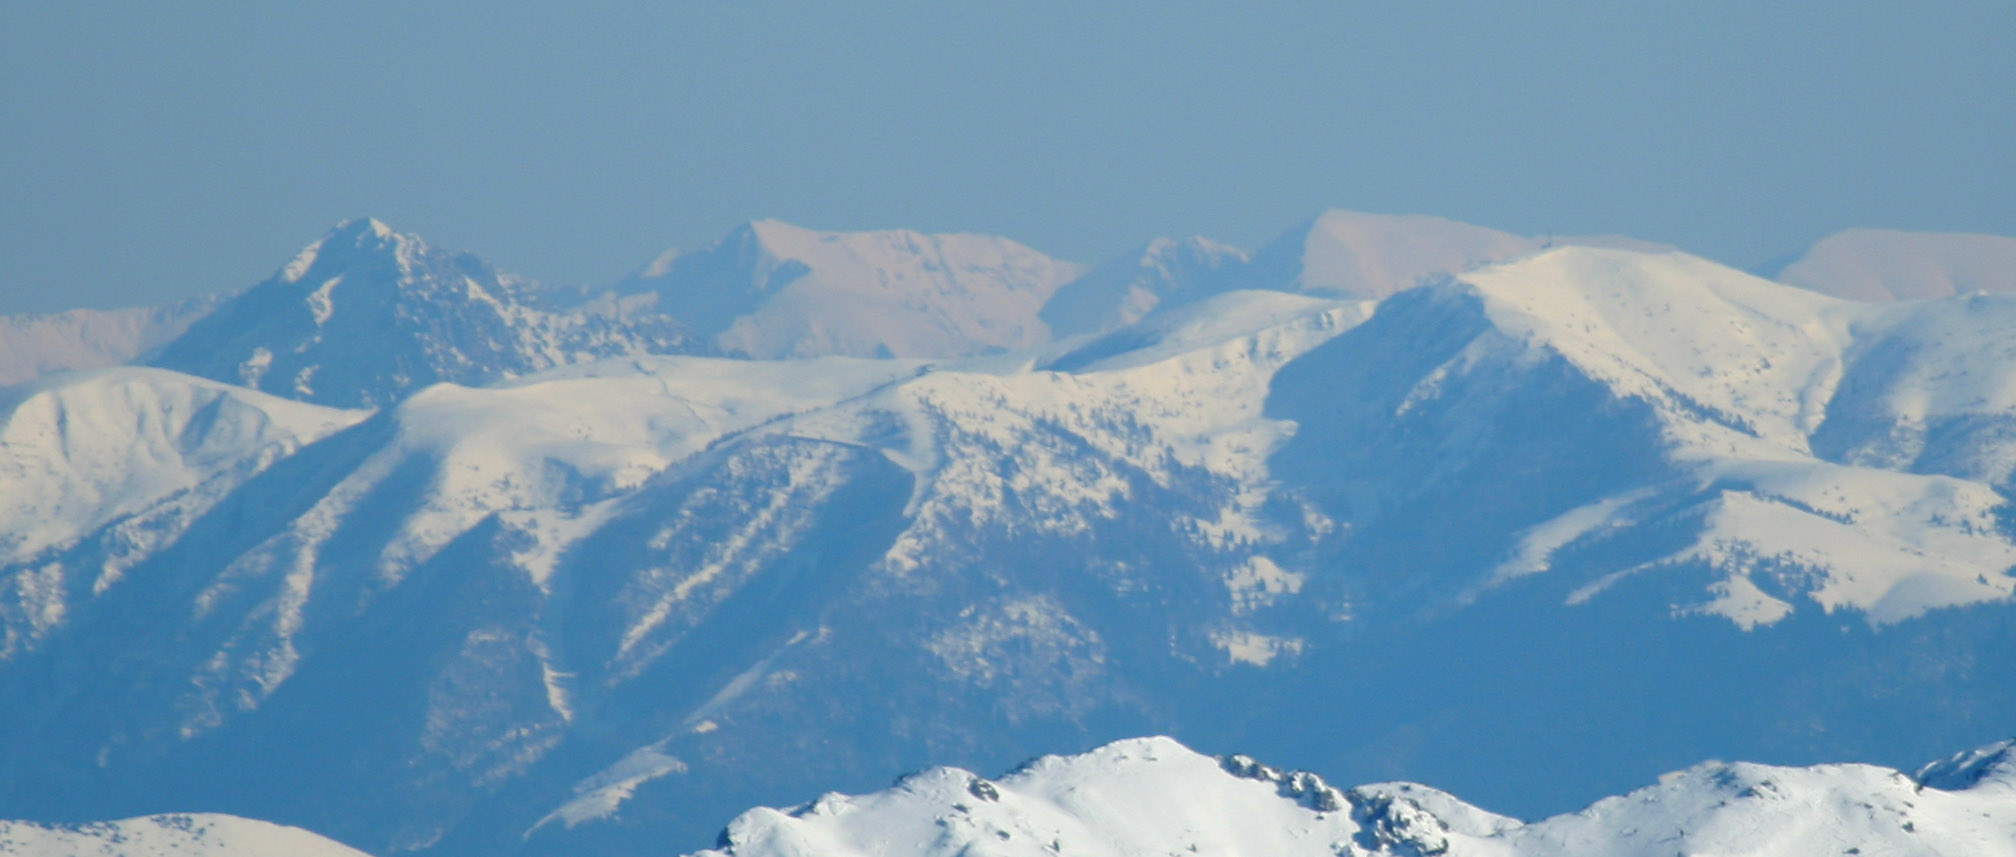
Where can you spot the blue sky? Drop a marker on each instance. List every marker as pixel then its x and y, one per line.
pixel 154 151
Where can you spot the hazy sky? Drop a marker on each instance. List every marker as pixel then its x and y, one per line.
pixel 154 151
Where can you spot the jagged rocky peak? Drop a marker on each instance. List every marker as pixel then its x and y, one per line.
pixel 771 289
pixel 368 314
pixel 366 253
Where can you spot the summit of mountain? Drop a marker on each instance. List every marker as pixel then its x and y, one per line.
pixel 368 314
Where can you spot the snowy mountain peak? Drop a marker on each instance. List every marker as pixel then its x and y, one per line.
pixel 356 229
pixel 350 242
pixel 1157 797
pixel 368 314
pixel 1670 322
pixel 772 289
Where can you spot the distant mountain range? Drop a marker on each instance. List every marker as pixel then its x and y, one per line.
pixel 414 554
pixel 35 345
pixel 771 290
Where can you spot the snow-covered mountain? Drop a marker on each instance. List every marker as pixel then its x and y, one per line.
pixel 186 835
pixel 772 290
pixel 1155 796
pixel 35 345
pixel 1128 288
pixel 104 469
pixel 366 315
pixel 1702 393
pixel 1337 254
pixel 1890 265
pixel 1534 532
pixel 1349 253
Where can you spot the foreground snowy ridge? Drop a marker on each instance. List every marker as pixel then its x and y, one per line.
pixel 1153 796
pixel 198 835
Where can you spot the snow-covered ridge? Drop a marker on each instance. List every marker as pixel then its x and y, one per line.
pixel 1752 392
pixel 1155 796
pixel 192 835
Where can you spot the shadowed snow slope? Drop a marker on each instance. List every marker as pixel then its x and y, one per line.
pixel 1887 265
pixel 1154 796
pixel 366 315
pixel 771 289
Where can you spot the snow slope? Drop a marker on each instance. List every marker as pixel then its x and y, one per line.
pixel 1154 796
pixel 197 835
pixel 1890 265
pixel 771 290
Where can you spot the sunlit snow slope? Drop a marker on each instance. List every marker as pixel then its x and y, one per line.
pixel 1154 796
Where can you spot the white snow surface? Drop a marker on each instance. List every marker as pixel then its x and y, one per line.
pixel 1152 796
pixel 185 835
